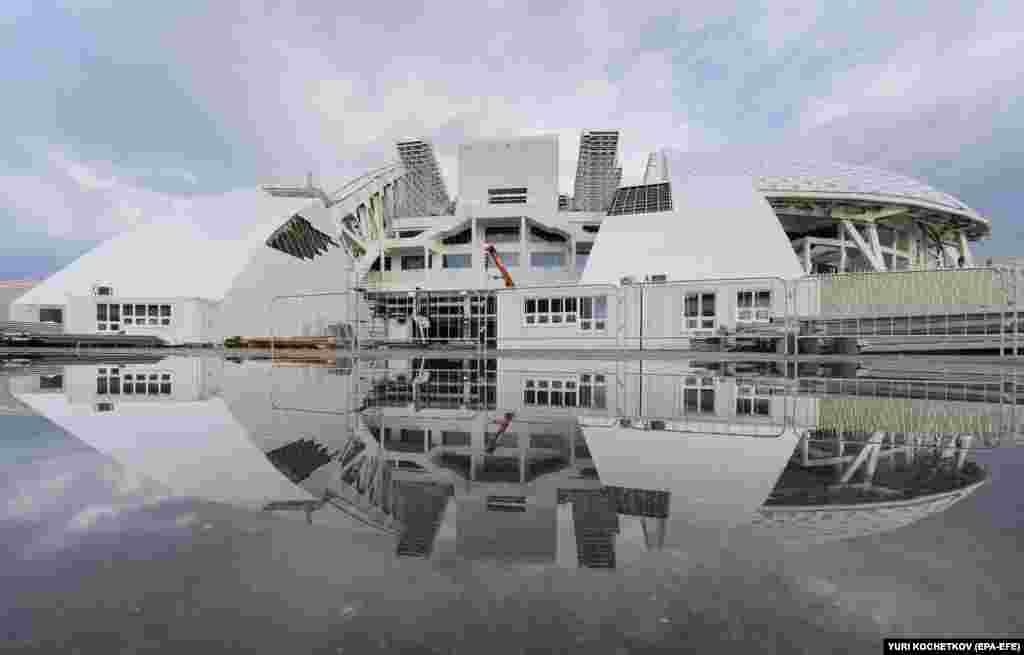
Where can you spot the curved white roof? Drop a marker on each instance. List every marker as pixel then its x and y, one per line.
pixel 780 176
pixel 823 523
pixel 835 177
pixel 194 254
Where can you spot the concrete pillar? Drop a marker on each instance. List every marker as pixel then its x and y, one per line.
pixel 842 249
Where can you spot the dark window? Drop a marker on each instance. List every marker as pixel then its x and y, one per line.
pixel 101 312
pixel 511 190
pixel 165 310
pixel 455 438
pixel 51 381
pixel 115 313
pixel 51 315
pixel 413 262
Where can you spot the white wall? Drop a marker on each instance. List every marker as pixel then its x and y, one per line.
pixel 530 162
pixel 248 310
pixel 718 228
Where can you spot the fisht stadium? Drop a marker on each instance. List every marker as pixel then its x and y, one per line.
pixel 396 231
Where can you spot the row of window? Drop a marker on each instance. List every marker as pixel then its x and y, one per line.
pixel 589 390
pixel 538 260
pixel 110 382
pixel 589 312
pixel 700 313
pixel 111 316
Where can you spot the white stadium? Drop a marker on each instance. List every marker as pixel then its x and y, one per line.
pixel 392 245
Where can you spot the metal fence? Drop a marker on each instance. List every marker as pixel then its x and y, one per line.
pixel 963 309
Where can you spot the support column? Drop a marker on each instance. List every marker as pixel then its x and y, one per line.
pixel 524 256
pixel 842 249
pixel 807 255
pixel 872 256
pixel 876 246
pixel 965 250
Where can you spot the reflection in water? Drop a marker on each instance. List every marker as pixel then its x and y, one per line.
pixel 541 461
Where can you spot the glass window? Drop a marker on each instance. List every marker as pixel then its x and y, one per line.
pixel 140 310
pixel 586 307
pixel 101 312
pixel 509 259
pixel 115 313
pixel 457 261
pixel 601 307
pixel 531 306
pixel 51 315
pixel 127 310
pixel 154 311
pixel 764 299
pixel 547 260
pixel 165 310
pixel 413 262
pixel 691 306
pixel 707 302
pixel 455 438
pixel 543 305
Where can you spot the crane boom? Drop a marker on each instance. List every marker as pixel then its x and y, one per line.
pixel 491 251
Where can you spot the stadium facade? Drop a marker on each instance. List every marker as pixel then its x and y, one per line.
pixel 396 231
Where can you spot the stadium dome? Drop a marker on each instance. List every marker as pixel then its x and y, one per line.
pixel 840 181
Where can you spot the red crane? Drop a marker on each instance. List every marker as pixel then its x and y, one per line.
pixel 490 250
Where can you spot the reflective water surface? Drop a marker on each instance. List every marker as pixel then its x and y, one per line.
pixel 459 504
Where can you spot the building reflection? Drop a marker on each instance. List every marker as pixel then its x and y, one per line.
pixel 528 461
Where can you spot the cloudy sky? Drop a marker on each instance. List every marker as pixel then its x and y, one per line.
pixel 121 111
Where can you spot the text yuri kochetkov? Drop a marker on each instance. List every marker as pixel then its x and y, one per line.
pixel 972 645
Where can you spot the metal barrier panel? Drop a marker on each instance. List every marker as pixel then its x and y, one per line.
pixel 969 309
pixel 310 320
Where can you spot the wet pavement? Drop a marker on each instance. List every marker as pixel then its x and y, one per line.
pixel 460 503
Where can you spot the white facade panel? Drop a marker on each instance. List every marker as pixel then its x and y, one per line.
pixel 716 481
pixel 719 227
pixel 530 162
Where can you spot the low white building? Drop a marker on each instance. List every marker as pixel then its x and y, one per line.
pixel 196 278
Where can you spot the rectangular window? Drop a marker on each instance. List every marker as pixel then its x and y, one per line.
pixel 101 312
pixel 558 310
pixel 115 313
pixel 547 260
pixel 455 438
pixel 753 400
pixel 413 262
pixel 51 315
pixel 127 310
pixel 530 310
pixel 594 313
pixel 698 395
pixel 457 261
pixel 753 306
pixel 699 312
pixel 509 259
pixel 387 263
pixel 507 196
